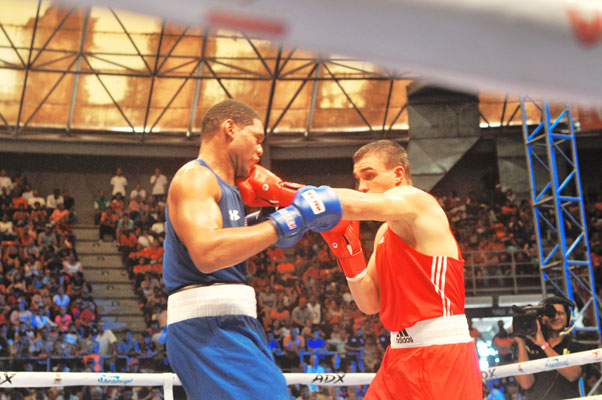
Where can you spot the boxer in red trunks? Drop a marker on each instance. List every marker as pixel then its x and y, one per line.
pixel 414 279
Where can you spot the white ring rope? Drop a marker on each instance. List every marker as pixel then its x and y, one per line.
pixel 19 379
pixel 543 364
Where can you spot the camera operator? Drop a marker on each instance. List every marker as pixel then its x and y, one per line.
pixel 547 342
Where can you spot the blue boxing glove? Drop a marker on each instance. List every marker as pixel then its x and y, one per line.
pixel 263 215
pixel 259 216
pixel 320 207
pixel 317 209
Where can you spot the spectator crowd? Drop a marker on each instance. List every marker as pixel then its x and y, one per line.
pixel 48 318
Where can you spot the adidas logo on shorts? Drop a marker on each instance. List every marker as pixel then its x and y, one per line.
pixel 403 337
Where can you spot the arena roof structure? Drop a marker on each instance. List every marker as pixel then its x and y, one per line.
pixel 92 75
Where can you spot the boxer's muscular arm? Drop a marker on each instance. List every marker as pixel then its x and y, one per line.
pixel 411 213
pixel 366 291
pixel 197 220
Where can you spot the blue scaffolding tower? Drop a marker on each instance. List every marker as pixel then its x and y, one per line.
pixel 559 214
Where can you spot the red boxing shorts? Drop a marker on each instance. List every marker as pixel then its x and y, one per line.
pixel 422 364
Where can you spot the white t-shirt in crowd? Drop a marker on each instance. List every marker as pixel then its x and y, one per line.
pixel 51 202
pixel 158 228
pixel 32 201
pixel 316 312
pixel 5 181
pixel 135 193
pixel 7 227
pixel 105 339
pixel 159 184
pixel 145 241
pixel 119 183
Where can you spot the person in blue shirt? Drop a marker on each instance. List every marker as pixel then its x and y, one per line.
pixel 316 343
pixel 129 345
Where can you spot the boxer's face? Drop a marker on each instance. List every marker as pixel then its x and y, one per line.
pixel 248 150
pixel 372 176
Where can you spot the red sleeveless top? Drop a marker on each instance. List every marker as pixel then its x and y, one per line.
pixel 414 286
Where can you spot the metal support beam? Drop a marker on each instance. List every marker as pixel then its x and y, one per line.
pixel 152 86
pixel 290 103
pixel 383 132
pixel 54 32
pixel 197 87
pixel 312 105
pixel 78 68
pixel 148 68
pixel 27 69
pixel 12 45
pixel 106 89
pixel 558 210
pixel 268 112
pixel 355 107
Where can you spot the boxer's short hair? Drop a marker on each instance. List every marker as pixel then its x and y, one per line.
pixel 240 113
pixel 392 154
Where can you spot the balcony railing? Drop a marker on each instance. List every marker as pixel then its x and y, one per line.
pixel 501 272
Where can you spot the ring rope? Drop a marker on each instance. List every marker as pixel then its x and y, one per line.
pixel 17 379
pixel 543 364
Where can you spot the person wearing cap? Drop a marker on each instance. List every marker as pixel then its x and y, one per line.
pixel 562 383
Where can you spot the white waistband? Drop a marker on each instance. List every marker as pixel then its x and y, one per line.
pixel 442 330
pixel 211 301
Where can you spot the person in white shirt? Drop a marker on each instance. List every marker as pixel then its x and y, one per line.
pixel 61 299
pixel 53 200
pixel 35 197
pixel 158 227
pixel 138 192
pixel 5 180
pixel 106 341
pixel 7 229
pixel 27 193
pixel 119 183
pixel 71 265
pixel 145 239
pixel 159 182
pixel 316 311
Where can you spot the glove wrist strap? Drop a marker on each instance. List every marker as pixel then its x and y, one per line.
pixel 358 277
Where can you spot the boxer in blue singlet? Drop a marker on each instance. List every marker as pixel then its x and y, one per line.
pixel 215 344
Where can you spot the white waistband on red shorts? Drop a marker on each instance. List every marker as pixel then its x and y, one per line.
pixel 442 330
pixel 211 301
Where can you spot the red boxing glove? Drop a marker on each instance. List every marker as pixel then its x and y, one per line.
pixel 264 189
pixel 344 241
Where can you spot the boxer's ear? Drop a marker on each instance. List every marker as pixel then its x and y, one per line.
pixel 400 175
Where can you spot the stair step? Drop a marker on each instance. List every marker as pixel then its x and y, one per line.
pixel 96 247
pixel 100 275
pixel 104 267
pixel 86 233
pixel 84 226
pixel 99 260
pixel 126 305
pixel 133 323
pixel 113 290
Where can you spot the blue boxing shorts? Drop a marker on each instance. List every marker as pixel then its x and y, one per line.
pixel 217 347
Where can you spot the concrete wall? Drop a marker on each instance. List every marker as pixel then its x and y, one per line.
pixel 475 171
